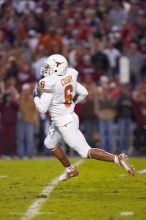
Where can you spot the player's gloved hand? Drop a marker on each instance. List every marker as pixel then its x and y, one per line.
pixel 35 91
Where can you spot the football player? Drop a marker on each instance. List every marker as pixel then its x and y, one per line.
pixel 60 92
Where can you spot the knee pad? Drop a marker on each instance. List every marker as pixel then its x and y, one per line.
pixel 83 152
pixel 48 143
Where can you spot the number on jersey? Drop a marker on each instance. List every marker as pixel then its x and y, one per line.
pixel 42 84
pixel 68 96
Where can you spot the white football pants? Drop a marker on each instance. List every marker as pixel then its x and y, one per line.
pixel 72 136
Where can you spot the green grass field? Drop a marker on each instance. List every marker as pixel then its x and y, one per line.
pixel 100 192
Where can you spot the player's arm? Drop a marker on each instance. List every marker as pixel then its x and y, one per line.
pixel 81 93
pixel 43 102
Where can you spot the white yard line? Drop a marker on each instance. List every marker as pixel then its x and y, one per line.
pixel 126 213
pixel 39 213
pixel 3 177
pixel 123 175
pixel 33 210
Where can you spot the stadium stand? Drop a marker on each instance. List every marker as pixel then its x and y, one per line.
pixel 94 36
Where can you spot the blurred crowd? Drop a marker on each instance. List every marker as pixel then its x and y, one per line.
pixel 105 40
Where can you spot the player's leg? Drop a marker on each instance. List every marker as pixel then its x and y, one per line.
pixel 75 139
pixel 121 159
pixel 78 143
pixel 52 143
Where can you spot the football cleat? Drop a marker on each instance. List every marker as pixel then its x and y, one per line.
pixel 122 160
pixel 69 173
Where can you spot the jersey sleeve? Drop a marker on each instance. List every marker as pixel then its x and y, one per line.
pixel 73 72
pixel 81 90
pixel 42 104
pixel 76 72
pixel 47 84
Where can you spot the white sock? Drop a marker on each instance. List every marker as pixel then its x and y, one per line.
pixel 69 168
pixel 116 159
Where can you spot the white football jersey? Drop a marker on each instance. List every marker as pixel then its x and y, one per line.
pixel 63 89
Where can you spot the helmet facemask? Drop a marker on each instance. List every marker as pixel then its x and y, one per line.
pixel 46 70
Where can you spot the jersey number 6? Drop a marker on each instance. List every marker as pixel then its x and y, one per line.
pixel 68 96
pixel 42 84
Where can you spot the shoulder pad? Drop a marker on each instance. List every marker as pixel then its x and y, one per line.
pixel 72 71
pixel 47 84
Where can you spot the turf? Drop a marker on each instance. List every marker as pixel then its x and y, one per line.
pixel 100 192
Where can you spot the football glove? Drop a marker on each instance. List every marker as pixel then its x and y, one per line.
pixel 35 91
